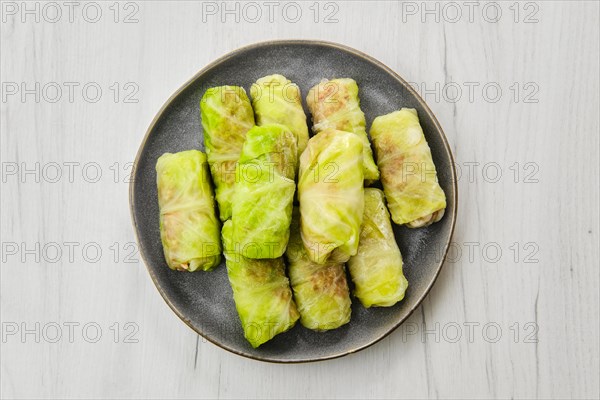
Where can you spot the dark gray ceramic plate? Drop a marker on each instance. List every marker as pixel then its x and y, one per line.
pixel 203 300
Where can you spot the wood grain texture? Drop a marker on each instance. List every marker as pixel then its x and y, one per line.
pixel 545 120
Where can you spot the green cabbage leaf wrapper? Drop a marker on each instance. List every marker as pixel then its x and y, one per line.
pixel 226 115
pixel 376 269
pixel 276 100
pixel 408 174
pixel 189 227
pixel 261 292
pixel 334 104
pixel 320 290
pixel 331 196
pixel 264 191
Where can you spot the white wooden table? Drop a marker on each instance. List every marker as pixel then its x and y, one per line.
pixel 515 310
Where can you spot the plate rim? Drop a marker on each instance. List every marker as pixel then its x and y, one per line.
pixel 216 63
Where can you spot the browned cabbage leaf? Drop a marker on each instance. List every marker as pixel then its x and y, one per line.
pixel 408 174
pixel 320 290
pixel 334 104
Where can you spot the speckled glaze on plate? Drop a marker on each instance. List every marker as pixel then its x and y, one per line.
pixel 203 300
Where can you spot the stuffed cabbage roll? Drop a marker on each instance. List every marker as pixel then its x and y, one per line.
pixel 320 290
pixel 189 227
pixel 331 195
pixel 376 269
pixel 226 117
pixel 264 192
pixel 334 104
pixel 276 100
pixel 408 174
pixel 261 292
